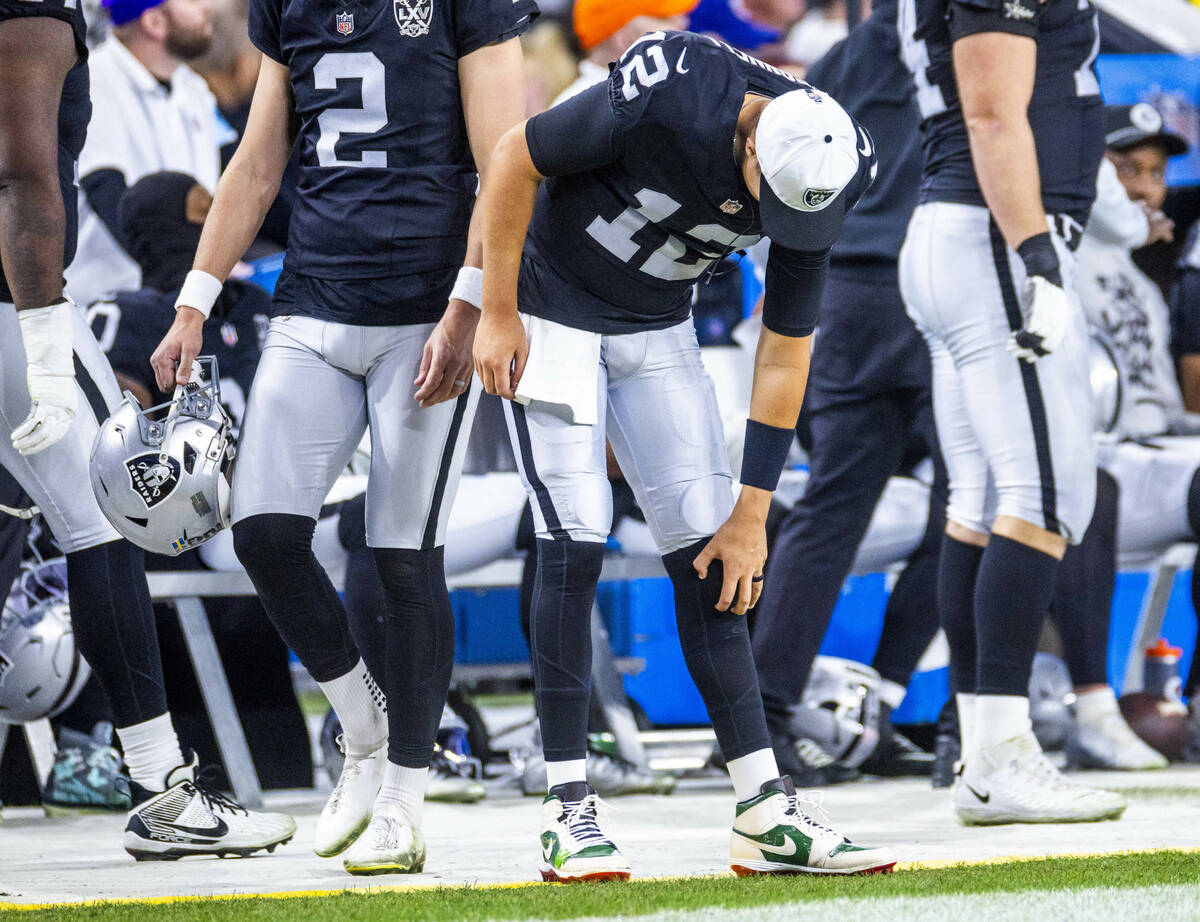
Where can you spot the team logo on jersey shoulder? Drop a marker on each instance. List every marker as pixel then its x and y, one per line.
pixel 731 206
pixel 1016 9
pixel 815 198
pixel 345 23
pixel 414 17
pixel 153 477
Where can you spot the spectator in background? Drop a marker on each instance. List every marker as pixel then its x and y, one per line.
pixel 823 26
pixel 605 28
pixel 150 112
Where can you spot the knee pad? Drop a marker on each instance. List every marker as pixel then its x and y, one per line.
pixel 273 540
pixel 683 513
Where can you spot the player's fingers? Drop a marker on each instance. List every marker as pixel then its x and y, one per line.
pixel 519 362
pixel 187 355
pixel 745 595
pixel 426 361
pixel 703 559
pixel 432 376
pixel 163 363
pixel 728 590
pixel 756 588
pixel 506 379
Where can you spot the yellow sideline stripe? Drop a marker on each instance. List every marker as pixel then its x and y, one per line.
pixel 518 885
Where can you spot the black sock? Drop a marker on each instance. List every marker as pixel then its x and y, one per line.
pixel 276 550
pixel 419 650
pixel 958 569
pixel 561 647
pixel 113 620
pixel 1083 590
pixel 1012 596
pixel 716 647
pixel 910 620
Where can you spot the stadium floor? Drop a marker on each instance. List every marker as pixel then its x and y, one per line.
pixel 45 861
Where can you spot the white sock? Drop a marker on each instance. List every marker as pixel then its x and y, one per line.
pixel 151 751
pixel 359 705
pixel 405 788
pixel 565 772
pixel 1093 706
pixel 966 724
pixel 750 772
pixel 998 718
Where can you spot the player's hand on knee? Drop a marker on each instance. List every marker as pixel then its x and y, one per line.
pixel 47 335
pixel 741 546
pixel 1047 320
pixel 446 362
pixel 501 350
pixel 172 360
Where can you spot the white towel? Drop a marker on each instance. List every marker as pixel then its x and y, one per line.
pixel 562 368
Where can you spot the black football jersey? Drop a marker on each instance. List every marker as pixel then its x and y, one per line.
pixel 131 325
pixel 1065 113
pixel 619 247
pixel 386 178
pixel 74 111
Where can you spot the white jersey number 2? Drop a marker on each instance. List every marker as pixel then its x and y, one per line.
pixel 367 119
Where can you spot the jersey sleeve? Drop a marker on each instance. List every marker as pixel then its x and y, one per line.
pixel 66 10
pixel 1017 17
pixel 575 136
pixel 264 28
pixel 794 285
pixel 488 22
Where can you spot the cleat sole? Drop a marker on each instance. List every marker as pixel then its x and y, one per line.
pixel 967 818
pixel 376 869
pixel 350 839
pixel 174 854
pixel 551 876
pixel 767 869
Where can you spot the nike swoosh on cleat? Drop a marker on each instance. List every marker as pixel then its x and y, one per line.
pixel 679 64
pixel 983 798
pixel 772 849
pixel 212 832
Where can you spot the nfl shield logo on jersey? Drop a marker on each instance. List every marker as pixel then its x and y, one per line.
pixel 413 16
pixel 345 23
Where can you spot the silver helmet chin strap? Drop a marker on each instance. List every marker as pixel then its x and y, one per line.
pixel 25 514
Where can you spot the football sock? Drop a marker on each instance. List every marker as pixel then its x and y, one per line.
pixel 1012 597
pixel 751 771
pixel 716 648
pixel 359 705
pixel 565 772
pixel 561 634
pixel 966 724
pixel 276 550
pixel 998 718
pixel 420 649
pixel 910 622
pixel 113 620
pixel 151 751
pixel 404 787
pixel 957 573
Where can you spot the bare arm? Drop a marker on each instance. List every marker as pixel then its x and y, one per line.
pixel 244 194
pixel 995 74
pixel 506 208
pixel 492 84
pixel 36 54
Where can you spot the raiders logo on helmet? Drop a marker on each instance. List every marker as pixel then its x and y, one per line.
pixel 153 477
pixel 815 198
pixel 413 16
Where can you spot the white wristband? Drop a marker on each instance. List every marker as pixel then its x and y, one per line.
pixel 469 287
pixel 200 291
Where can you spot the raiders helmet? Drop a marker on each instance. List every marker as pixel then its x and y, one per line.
pixel 840 709
pixel 41 671
pixel 159 474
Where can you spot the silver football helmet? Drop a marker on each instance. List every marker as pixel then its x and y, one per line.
pixel 41 671
pixel 840 709
pixel 161 481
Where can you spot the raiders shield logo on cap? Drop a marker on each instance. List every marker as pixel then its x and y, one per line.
pixel 153 477
pixel 413 16
pixel 815 198
pixel 345 23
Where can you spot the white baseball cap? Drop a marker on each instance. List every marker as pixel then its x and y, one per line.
pixel 816 162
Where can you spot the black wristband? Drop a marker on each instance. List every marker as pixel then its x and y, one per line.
pixel 764 454
pixel 1041 258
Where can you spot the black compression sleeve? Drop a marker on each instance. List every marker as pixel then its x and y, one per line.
pixel 103 190
pixel 795 282
pixel 1018 17
pixel 575 136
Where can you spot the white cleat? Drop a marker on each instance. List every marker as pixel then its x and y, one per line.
pixel 348 810
pixel 1108 742
pixel 1012 782
pixel 575 847
pixel 389 846
pixel 773 835
pixel 191 818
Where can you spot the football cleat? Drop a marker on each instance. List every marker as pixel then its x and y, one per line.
pixel 388 846
pixel 1109 743
pixel 348 810
pixel 608 773
pixel 450 778
pixel 773 835
pixel 192 818
pixel 87 774
pixel 1013 782
pixel 574 847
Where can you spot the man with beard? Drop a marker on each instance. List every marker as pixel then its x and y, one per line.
pixel 151 112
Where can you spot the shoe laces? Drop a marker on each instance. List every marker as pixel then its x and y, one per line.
pixel 583 822
pixel 812 754
pixel 810 807
pixel 212 797
pixel 386 831
pixel 1043 770
pixel 350 771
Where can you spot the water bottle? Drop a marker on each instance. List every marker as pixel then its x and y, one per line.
pixel 1161 671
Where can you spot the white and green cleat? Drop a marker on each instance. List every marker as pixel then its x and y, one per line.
pixel 772 835
pixel 388 846
pixel 574 847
